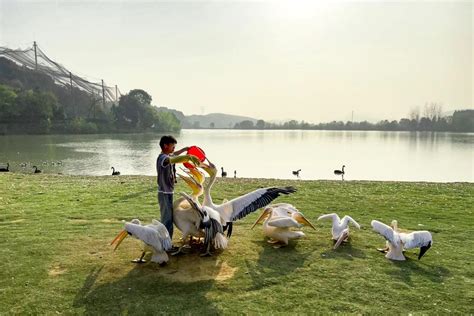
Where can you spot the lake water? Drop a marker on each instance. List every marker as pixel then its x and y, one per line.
pixel 438 157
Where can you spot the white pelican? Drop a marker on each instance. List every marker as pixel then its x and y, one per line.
pixel 185 217
pixel 340 227
pixel 239 207
pixel 279 220
pixel 155 238
pixel 397 241
pixel 211 222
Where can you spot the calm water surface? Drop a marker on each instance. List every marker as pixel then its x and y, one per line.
pixel 439 157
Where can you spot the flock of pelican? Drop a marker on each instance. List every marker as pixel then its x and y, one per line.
pixel 207 222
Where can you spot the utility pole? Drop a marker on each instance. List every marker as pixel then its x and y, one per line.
pixel 116 93
pixel 103 93
pixel 72 96
pixel 36 56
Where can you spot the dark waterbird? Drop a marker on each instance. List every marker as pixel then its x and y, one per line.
pixel 7 169
pixel 115 173
pixel 223 173
pixel 36 169
pixel 297 173
pixel 340 172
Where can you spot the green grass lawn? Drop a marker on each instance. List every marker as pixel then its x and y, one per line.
pixel 55 253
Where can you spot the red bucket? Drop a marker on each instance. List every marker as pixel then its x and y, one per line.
pixel 195 151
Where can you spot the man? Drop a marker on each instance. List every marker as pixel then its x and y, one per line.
pixel 166 177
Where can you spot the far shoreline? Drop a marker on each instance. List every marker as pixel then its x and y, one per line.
pixel 242 179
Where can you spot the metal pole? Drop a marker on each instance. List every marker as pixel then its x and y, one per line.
pixel 72 96
pixel 36 56
pixel 103 93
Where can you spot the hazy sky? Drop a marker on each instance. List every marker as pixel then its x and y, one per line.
pixel 307 60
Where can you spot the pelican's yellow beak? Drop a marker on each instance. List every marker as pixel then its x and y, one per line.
pixel 210 169
pixel 196 187
pixel 302 220
pixel 262 217
pixel 197 175
pixel 119 238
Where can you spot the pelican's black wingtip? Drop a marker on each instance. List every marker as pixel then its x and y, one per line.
pixel 289 190
pixel 423 250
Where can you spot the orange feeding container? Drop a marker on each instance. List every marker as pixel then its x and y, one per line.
pixel 195 151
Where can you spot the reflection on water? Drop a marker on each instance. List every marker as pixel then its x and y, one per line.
pixel 373 155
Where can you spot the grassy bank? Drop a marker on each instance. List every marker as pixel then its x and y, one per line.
pixel 56 258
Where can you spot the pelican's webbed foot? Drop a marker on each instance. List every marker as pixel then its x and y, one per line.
pixel 208 251
pixel 140 260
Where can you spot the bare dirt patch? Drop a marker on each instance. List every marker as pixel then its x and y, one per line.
pixel 184 268
pixel 111 220
pixel 56 270
pixel 192 268
pixel 78 221
pixel 15 221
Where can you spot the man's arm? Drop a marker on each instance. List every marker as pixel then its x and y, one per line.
pixel 185 158
pixel 179 152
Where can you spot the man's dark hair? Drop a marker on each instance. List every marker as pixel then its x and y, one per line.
pixel 168 139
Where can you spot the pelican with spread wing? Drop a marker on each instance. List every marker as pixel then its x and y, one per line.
pixel 398 241
pixel 211 223
pixel 155 238
pixel 241 206
pixel 340 227
pixel 280 220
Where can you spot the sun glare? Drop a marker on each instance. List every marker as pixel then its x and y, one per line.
pixel 302 9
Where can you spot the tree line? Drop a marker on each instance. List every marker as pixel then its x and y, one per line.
pixel 32 103
pixel 33 111
pixel 431 120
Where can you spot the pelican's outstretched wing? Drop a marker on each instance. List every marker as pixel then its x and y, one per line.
pixel 347 219
pixel 147 234
pixel 250 202
pixel 384 230
pixel 284 222
pixel 333 216
pixel 162 234
pixel 416 239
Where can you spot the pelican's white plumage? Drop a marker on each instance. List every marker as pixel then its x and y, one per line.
pixel 241 206
pixel 155 238
pixel 416 239
pixel 398 241
pixel 185 217
pixel 211 222
pixel 340 227
pixel 279 220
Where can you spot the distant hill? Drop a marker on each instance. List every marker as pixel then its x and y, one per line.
pixel 179 115
pixel 219 120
